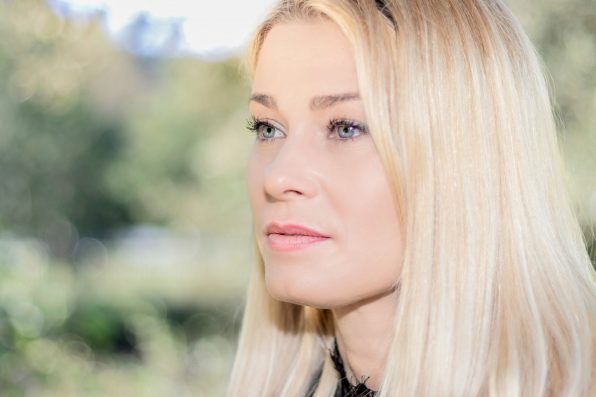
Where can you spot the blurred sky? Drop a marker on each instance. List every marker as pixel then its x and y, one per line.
pixel 204 28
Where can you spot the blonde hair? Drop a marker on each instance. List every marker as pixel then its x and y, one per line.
pixel 497 292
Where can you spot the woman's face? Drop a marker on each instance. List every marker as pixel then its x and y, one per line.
pixel 305 170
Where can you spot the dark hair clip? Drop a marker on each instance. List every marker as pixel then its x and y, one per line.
pixel 385 11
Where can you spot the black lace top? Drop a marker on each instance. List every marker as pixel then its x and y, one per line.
pixel 344 387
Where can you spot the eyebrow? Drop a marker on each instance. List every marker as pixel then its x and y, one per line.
pixel 316 103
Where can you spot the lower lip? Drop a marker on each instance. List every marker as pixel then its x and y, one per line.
pixel 285 243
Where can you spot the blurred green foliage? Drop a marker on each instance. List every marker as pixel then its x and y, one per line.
pixel 112 330
pixel 96 144
pixel 93 143
pixel 99 139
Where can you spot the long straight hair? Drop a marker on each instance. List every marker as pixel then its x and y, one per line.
pixel 497 292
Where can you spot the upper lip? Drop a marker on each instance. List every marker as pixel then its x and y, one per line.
pixel 291 228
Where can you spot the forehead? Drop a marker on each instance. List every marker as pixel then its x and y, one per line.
pixel 311 56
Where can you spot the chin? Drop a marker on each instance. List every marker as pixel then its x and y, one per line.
pixel 299 292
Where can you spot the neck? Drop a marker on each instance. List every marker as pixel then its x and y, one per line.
pixel 364 331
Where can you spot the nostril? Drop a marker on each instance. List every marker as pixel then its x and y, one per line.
pixel 292 184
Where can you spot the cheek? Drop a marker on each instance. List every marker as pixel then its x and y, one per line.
pixel 374 221
pixel 374 247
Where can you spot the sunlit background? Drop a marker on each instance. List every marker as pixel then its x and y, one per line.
pixel 124 223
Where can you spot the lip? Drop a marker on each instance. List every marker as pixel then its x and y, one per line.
pixel 291 237
pixel 291 228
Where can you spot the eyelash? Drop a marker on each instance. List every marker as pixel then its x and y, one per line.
pixel 254 123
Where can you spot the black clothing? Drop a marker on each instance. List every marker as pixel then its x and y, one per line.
pixel 344 387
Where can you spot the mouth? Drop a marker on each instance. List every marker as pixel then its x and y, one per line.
pixel 291 237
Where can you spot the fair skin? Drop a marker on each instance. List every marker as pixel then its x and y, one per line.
pixel 330 180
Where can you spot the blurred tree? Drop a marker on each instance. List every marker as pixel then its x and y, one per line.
pixel 93 138
pixel 58 131
pixel 184 155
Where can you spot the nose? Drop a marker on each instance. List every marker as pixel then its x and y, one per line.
pixel 292 172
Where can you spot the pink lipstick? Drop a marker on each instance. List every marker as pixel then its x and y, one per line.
pixel 291 237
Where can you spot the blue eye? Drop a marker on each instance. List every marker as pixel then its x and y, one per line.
pixel 346 129
pixel 264 130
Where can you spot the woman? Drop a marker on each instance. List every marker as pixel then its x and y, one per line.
pixel 412 234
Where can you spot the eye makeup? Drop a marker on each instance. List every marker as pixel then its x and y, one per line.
pixel 265 130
